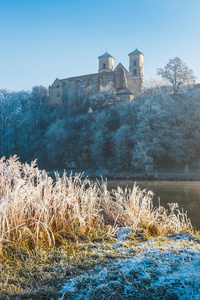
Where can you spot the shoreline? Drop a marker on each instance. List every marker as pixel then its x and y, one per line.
pixel 128 176
pixel 127 264
pixel 55 230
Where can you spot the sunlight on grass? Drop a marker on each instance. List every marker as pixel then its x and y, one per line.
pixel 35 210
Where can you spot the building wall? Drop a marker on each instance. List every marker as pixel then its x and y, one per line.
pixel 56 93
pixel 72 87
pixel 134 84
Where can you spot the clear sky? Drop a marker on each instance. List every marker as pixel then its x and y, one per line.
pixel 41 40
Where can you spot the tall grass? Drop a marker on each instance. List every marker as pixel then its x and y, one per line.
pixel 35 209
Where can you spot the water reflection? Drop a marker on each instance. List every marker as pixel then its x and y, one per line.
pixel 185 193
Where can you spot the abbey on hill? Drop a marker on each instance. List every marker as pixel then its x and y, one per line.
pixel 126 83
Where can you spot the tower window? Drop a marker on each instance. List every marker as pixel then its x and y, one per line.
pixel 135 63
pixel 135 72
pixel 57 95
pixel 57 86
pixel 104 66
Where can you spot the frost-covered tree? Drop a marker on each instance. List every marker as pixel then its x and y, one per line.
pixel 99 137
pixel 150 133
pixel 39 94
pixel 98 147
pixel 104 98
pixel 55 142
pixel 153 85
pixel 123 145
pixel 23 122
pixel 142 159
pixel 177 73
pixel 184 124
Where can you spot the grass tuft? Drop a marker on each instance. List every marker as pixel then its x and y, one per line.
pixel 37 211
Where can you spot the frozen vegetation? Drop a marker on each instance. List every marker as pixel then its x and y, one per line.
pixel 150 270
pixel 34 210
pixel 73 239
pixel 154 133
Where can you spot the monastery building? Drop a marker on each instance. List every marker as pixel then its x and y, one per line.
pixel 126 83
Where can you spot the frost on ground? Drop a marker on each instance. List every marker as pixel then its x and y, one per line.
pixel 149 270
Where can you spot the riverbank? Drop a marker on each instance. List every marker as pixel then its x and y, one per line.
pixel 166 268
pixel 55 230
pixel 162 175
pixel 124 266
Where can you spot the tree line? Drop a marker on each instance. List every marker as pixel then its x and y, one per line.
pixel 153 132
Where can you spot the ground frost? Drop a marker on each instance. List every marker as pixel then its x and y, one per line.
pixel 169 271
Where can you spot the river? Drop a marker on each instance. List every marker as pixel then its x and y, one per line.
pixel 185 193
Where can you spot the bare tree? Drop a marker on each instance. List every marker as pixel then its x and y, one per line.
pixel 177 73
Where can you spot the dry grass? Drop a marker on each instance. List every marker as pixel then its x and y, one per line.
pixel 35 210
pixel 38 213
pixel 39 273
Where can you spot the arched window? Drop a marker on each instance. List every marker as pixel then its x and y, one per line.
pixel 135 63
pixel 135 72
pixel 104 66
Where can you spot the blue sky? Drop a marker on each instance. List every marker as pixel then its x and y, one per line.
pixel 42 40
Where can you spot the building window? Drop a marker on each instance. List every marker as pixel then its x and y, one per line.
pixel 135 63
pixel 57 86
pixel 104 66
pixel 57 95
pixel 135 72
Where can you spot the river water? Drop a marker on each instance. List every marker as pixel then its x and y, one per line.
pixel 185 193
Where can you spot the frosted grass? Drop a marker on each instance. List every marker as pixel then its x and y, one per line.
pixel 36 210
pixel 170 271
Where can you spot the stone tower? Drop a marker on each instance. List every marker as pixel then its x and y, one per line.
pixel 106 62
pixel 135 78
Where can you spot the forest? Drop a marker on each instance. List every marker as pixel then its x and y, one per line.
pixel 154 132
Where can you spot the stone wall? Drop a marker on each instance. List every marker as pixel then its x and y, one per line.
pixel 72 87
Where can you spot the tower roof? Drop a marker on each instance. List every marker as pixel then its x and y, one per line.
pixel 136 51
pixel 106 54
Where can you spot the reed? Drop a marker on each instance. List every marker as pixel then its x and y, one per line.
pixel 36 210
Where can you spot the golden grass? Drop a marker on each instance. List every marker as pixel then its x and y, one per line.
pixel 35 210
